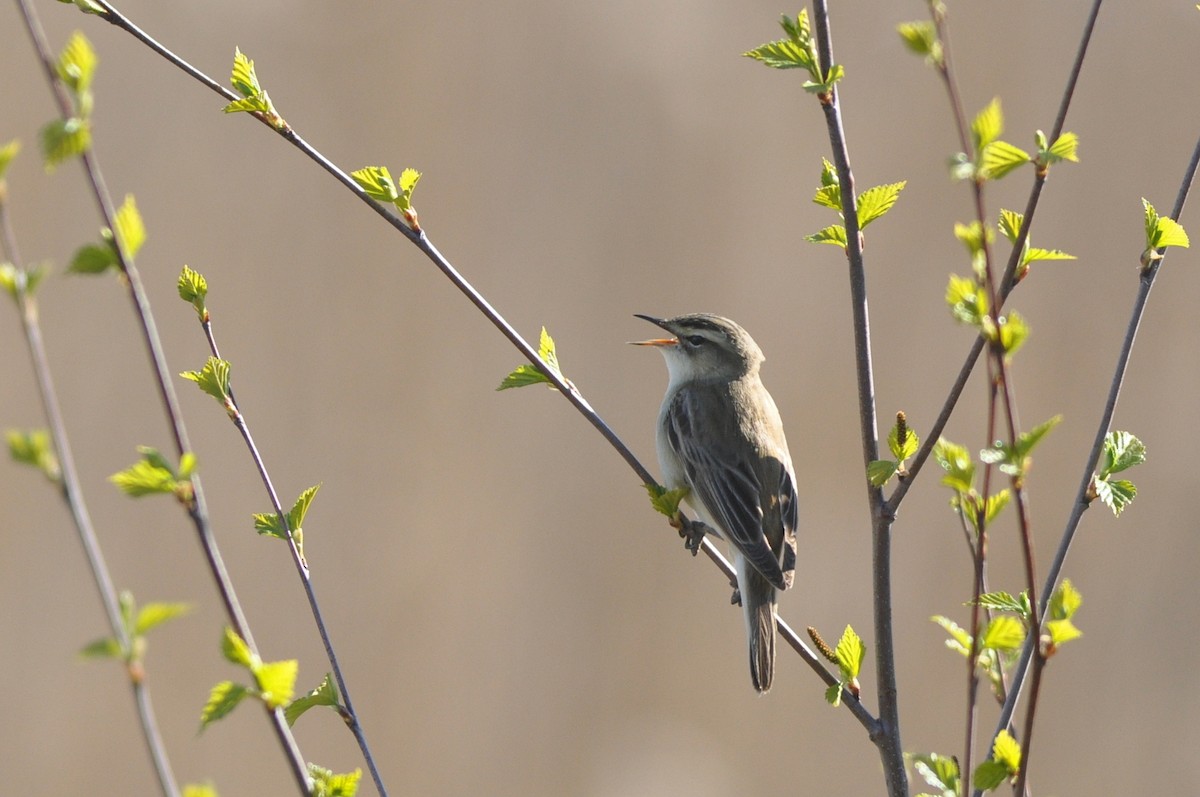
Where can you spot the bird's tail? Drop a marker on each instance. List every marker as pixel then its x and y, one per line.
pixel 758 608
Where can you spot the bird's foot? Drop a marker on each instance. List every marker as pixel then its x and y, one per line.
pixel 692 532
pixel 736 598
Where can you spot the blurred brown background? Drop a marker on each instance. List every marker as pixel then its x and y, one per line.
pixel 513 618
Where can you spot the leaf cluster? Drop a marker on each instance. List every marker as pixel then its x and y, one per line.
pixel 272 525
pixel 193 289
pixel 274 682
pixel 97 258
pixel 994 158
pixel 1161 232
pixel 66 138
pixel 35 448
pixel 1122 451
pixel 153 475
pixel 529 374
pixel 872 204
pixel 903 443
pixel 1013 459
pixel 377 183
pixel 798 51
pixel 136 624
pixel 848 655
pixel 959 476
pixel 255 99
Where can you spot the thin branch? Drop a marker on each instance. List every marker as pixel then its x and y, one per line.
pixel 72 494
pixel 891 752
pixel 1081 501
pixel 197 509
pixel 346 709
pixel 1007 282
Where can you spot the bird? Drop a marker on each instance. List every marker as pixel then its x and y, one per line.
pixel 719 434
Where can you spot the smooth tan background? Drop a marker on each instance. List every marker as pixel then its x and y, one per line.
pixel 512 617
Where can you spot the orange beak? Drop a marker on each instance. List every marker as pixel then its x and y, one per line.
pixel 654 341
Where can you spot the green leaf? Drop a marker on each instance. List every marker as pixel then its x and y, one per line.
pixel 408 184
pixel 7 153
pixel 130 229
pixel 834 234
pixel 524 375
pixel 235 649
pixel 153 615
pixel 922 39
pixel 989 775
pixel 1122 451
pixel 1065 601
pixel 1028 441
pixel 107 648
pixel 1162 231
pixel 833 695
pixel 877 201
pixel 328 784
pixel 781 54
pixel 1007 752
pixel 63 139
pixel 911 442
pixel 213 379
pixel 300 508
pixel 829 196
pixel 956 461
pixel 880 471
pixel 666 501
pixel 1010 224
pixel 1004 602
pixel 938 771
pixel 967 301
pixel 996 503
pixel 326 694
pixel 193 288
pixel 960 640
pixel 988 125
pixel 829 176
pixel 149 476
pixel 1013 332
pixel 1034 253
pixel 1062 631
pixel 88 7
pixel 1064 148
pixel 223 699
pixel 276 681
pixel 196 789
pixel 244 80
pixel 999 158
pixel 260 103
pixel 850 652
pixel 93 259
pixel 77 64
pixel 1004 632
pixel 1116 494
pixel 377 182
pixel 34 447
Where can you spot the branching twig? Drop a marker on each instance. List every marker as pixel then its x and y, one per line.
pixel 197 509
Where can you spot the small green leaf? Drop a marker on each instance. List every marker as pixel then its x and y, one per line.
pixel 1003 602
pixel 1062 631
pixel 960 640
pixel 524 375
pixel 107 648
pixel 833 695
pixel 1028 441
pixel 260 103
pixel 63 139
pixel 956 461
pixel 1064 148
pixel 1122 451
pixel 93 259
pixel 1162 231
pixel 300 508
pixel 213 378
pixel 988 125
pixel 408 184
pixel 850 652
pixel 1013 332
pixel 833 234
pixel 34 447
pixel 155 614
pixel 223 699
pixel 193 288
pixel 1007 752
pixel 130 229
pixel 989 775
pixel 829 196
pixel 326 783
pixel 910 445
pixel 967 301
pixel 999 158
pixel 875 202
pixel 191 789
pixel 1004 632
pixel 88 7
pixel 996 503
pixel 781 54
pixel 243 79
pixel 938 771
pixel 1116 494
pixel 1034 253
pixel 149 476
pixel 922 39
pixel 235 650
pixel 666 501
pixel 276 681
pixel 880 471
pixel 377 182
pixel 77 64
pixel 7 153
pixel 1010 224
pixel 829 176
pixel 326 694
pixel 1065 601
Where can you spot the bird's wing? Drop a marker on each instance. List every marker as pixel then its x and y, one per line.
pixel 727 485
pixel 789 514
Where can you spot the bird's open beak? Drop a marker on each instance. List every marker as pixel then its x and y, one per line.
pixel 654 341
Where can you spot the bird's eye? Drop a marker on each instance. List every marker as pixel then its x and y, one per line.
pixel 695 340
